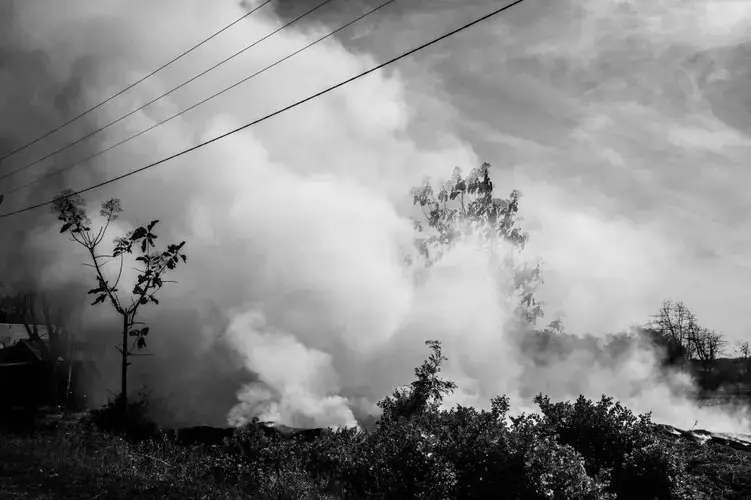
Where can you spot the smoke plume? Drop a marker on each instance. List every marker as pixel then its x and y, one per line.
pixel 295 304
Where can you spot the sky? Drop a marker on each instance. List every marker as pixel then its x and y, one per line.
pixel 625 127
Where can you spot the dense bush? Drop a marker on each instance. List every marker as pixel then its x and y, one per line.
pixel 580 450
pixel 617 445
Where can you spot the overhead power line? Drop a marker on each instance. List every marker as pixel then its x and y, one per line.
pixel 174 89
pixel 160 68
pixel 213 96
pixel 271 115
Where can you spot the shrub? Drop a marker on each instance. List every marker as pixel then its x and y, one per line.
pixel 617 444
pixel 135 423
pixel 549 469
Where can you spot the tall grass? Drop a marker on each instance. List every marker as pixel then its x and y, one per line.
pixel 80 462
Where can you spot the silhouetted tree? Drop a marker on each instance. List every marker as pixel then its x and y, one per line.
pixel 674 326
pixel 708 345
pixel 743 348
pixel 151 267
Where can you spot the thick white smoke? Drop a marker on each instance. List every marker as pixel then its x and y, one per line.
pixel 295 304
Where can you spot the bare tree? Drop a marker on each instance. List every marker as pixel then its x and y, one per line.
pixel 743 349
pixel 30 305
pixel 708 345
pixel 716 345
pixel 676 325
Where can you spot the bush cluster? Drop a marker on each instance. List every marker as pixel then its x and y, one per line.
pixel 588 450
pixel 569 450
pixel 581 450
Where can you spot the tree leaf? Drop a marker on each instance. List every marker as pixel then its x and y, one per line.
pixel 141 343
pixel 152 224
pixel 138 234
pixel 99 300
pixel 134 333
pixel 145 331
pixel 66 227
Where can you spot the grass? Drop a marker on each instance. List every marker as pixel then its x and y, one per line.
pixel 73 462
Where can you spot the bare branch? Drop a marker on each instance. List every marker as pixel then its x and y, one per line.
pixel 119 273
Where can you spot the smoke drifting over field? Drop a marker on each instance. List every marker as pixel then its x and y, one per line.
pixel 295 304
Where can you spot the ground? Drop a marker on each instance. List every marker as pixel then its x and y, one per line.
pixel 72 461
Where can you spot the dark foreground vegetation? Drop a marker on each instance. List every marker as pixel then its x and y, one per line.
pixel 571 450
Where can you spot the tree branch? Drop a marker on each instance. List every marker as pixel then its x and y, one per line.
pixel 120 272
pixel 107 288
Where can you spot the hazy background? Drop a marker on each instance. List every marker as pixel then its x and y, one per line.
pixel 625 125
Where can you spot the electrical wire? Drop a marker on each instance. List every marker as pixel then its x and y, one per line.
pixel 118 120
pixel 160 68
pixel 213 96
pixel 271 115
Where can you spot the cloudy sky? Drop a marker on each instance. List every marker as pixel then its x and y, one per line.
pixel 624 124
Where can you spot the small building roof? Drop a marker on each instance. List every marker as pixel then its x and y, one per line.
pixel 10 333
pixel 24 351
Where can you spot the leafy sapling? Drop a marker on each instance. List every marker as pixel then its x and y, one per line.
pixel 152 265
